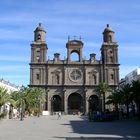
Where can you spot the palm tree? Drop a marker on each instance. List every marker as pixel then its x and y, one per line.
pixel 115 99
pixel 103 88
pixel 14 101
pixel 125 90
pixel 31 99
pixel 136 94
pixel 36 99
pixel 4 97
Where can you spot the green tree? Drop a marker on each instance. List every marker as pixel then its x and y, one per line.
pixel 115 98
pixel 136 94
pixel 28 100
pixel 38 99
pixel 4 97
pixel 103 88
pixel 32 98
pixel 14 102
pixel 126 92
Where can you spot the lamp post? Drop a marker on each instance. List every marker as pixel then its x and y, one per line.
pixel 21 103
pixel 39 106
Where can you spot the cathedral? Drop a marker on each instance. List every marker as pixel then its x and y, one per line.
pixel 71 86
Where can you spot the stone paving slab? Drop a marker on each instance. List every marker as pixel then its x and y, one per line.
pixel 69 127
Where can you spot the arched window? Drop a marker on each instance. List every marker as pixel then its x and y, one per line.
pixel 75 56
pixel 38 37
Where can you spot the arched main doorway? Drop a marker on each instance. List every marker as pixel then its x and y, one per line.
pixel 93 103
pixel 56 103
pixel 75 103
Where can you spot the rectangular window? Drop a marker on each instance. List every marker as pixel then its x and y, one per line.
pixel 37 76
pixel 112 77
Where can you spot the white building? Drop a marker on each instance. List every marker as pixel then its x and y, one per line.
pixel 134 75
pixel 9 86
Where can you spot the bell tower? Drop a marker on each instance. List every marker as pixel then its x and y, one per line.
pixel 74 46
pixel 38 57
pixel 39 46
pixel 109 56
pixel 109 49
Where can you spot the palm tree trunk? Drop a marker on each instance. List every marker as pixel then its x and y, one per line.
pixel 116 111
pixel 103 102
pixel 127 106
pixel 138 110
pixel 11 112
pixel 0 108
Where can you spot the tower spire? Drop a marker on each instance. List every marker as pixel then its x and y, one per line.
pixel 107 25
pixel 40 24
pixel 68 38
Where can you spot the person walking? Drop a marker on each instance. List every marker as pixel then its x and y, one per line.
pixel 59 115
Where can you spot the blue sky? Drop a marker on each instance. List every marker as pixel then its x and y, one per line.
pixel 60 18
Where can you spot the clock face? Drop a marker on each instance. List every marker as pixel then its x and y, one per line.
pixel 110 51
pixel 75 75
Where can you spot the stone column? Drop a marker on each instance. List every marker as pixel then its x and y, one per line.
pixel 85 76
pixel 49 102
pixel 86 102
pixel 65 103
pixel 47 75
pixel 80 55
pixel 64 75
pixel 31 76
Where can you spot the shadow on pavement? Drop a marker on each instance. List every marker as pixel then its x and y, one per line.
pixel 94 138
pixel 106 130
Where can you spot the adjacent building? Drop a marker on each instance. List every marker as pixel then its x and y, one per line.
pixel 133 75
pixel 70 86
pixel 8 85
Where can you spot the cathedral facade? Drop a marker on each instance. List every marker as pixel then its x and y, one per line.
pixel 71 86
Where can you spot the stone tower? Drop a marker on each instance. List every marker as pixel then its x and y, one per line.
pixel 38 56
pixel 109 54
pixel 74 46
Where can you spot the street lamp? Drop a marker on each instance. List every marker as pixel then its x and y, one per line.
pixel 21 103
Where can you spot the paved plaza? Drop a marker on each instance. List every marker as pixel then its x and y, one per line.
pixel 69 127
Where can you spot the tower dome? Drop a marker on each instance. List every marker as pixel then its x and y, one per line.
pixel 108 34
pixel 39 34
pixel 108 29
pixel 39 28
